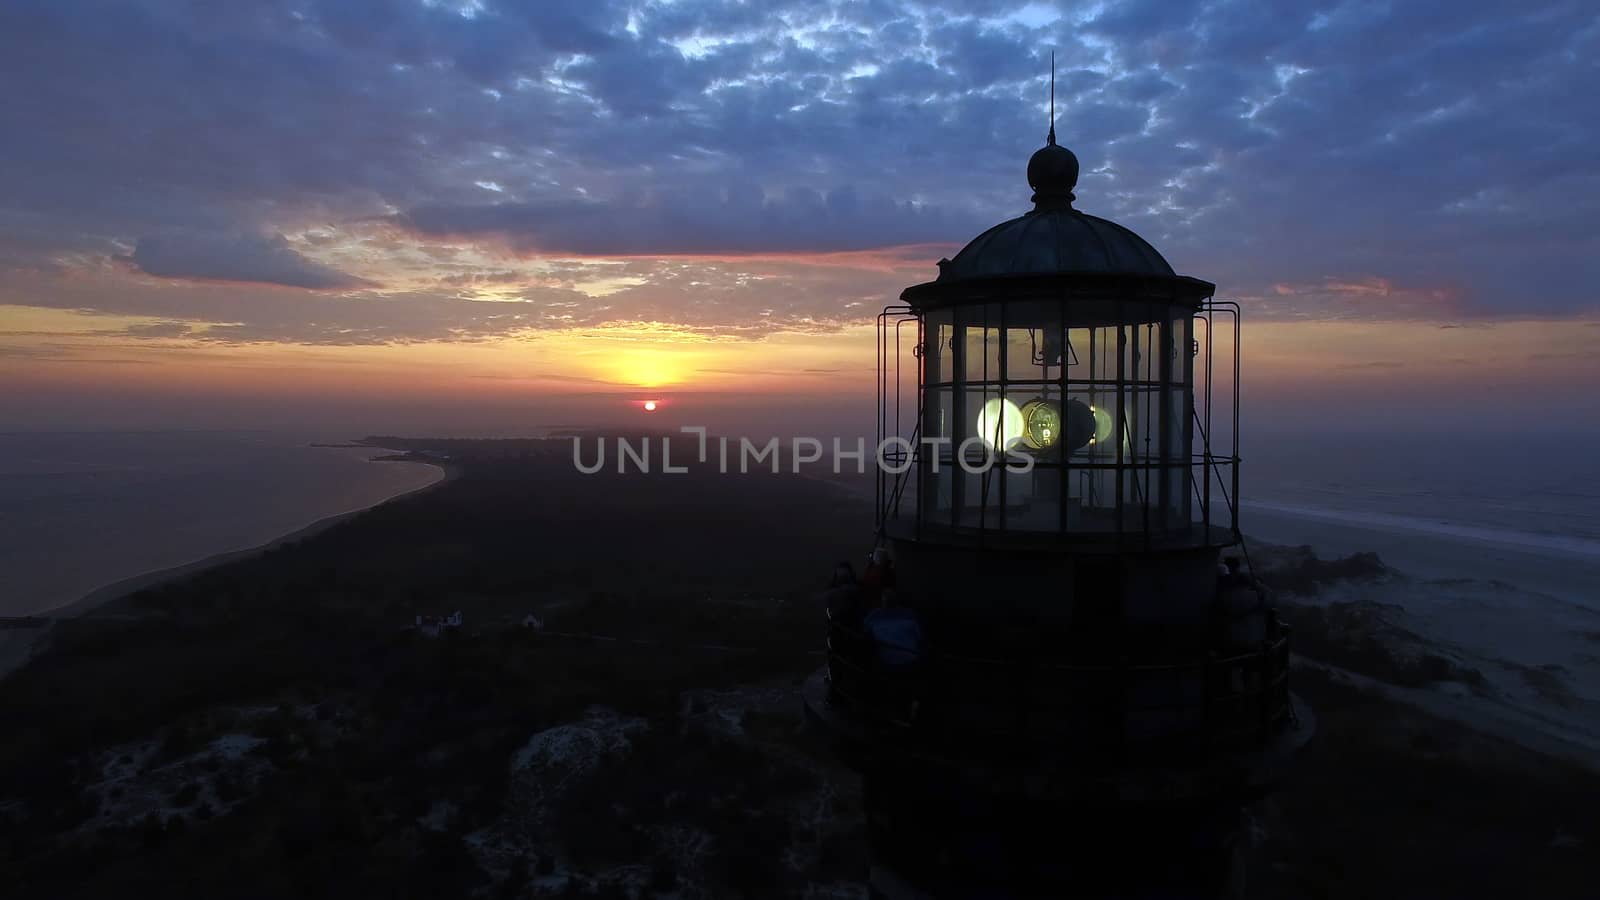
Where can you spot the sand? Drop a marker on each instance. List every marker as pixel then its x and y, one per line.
pixel 1567 569
pixel 1523 612
pixel 17 644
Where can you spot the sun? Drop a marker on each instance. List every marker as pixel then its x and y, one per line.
pixel 649 406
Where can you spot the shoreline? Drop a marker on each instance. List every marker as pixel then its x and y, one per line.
pixel 1525 621
pixel 124 586
pixel 1442 556
pixel 1556 547
pixel 17 645
pixel 1500 629
pixel 116 590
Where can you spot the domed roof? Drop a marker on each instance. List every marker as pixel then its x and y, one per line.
pixel 1054 238
pixel 1054 242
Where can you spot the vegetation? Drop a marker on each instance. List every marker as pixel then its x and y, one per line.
pixel 271 728
pixel 363 725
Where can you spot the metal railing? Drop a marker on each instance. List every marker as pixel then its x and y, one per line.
pixel 1213 464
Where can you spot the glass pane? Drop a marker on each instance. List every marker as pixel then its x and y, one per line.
pixel 1035 354
pixel 1110 446
pixel 937 353
pixel 1182 348
pixel 983 354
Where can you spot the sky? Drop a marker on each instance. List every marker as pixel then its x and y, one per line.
pixel 495 216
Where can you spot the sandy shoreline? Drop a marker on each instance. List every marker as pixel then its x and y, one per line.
pixel 1527 618
pixel 126 586
pixel 16 644
pixel 1569 571
pixel 1523 616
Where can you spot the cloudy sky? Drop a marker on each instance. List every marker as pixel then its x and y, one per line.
pixel 486 214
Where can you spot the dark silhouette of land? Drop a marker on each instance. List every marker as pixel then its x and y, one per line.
pixel 273 727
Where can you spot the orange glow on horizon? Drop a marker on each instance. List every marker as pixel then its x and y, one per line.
pixel 1327 366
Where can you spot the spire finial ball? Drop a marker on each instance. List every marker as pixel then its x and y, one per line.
pixel 1053 173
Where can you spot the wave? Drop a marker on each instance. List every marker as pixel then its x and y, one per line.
pixel 1548 543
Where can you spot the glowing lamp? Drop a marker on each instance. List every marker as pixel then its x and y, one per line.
pixel 1000 424
pixel 1044 424
pixel 1041 424
pixel 1102 425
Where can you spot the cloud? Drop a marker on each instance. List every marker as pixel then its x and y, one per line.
pixel 1360 298
pixel 728 220
pixel 159 330
pixel 746 298
pixel 63 352
pixel 1432 148
pixel 235 257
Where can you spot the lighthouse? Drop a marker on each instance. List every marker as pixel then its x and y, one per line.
pixel 1060 678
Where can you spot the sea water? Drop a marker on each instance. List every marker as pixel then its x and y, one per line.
pixel 82 510
pixel 1516 508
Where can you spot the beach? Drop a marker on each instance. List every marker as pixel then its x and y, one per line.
pixel 1518 610
pixel 79 512
pixel 16 644
pixel 1517 607
pixel 154 548
pixel 1561 567
pixel 241 700
pixel 127 586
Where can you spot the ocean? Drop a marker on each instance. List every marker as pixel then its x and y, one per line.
pixel 81 510
pixel 1520 510
pixel 1493 548
pixel 1543 490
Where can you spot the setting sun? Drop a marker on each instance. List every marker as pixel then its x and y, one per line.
pixel 649 406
